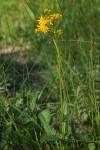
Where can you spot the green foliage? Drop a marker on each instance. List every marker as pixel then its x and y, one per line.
pixel 91 146
pixel 45 117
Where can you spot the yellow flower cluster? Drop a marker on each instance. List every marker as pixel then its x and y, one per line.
pixel 47 10
pixel 53 17
pixel 58 32
pixel 45 22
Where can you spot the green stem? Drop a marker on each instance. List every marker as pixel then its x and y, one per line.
pixel 59 69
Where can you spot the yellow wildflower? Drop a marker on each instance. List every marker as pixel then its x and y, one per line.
pixel 47 10
pixel 55 16
pixel 58 32
pixel 49 20
pixel 42 21
pixel 45 22
pixel 42 27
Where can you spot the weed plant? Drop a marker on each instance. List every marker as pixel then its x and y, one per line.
pixel 50 93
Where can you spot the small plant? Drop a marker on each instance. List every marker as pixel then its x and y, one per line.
pixel 47 24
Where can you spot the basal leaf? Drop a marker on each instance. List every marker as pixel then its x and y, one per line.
pixel 45 116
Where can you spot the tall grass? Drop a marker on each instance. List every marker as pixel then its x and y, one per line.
pixel 50 98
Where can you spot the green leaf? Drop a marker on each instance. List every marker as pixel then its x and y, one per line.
pixel 48 137
pixel 65 110
pixel 32 103
pixel 82 137
pixel 48 129
pixel 91 146
pixel 50 133
pixel 45 116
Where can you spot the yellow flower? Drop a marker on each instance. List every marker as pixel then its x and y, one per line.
pixel 47 10
pixel 49 20
pixel 42 20
pixel 58 32
pixel 45 22
pixel 42 26
pixel 55 16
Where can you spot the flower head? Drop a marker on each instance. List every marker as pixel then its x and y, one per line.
pixel 42 26
pixel 58 32
pixel 55 16
pixel 47 10
pixel 44 23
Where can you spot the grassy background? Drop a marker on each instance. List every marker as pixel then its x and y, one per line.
pixel 29 86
